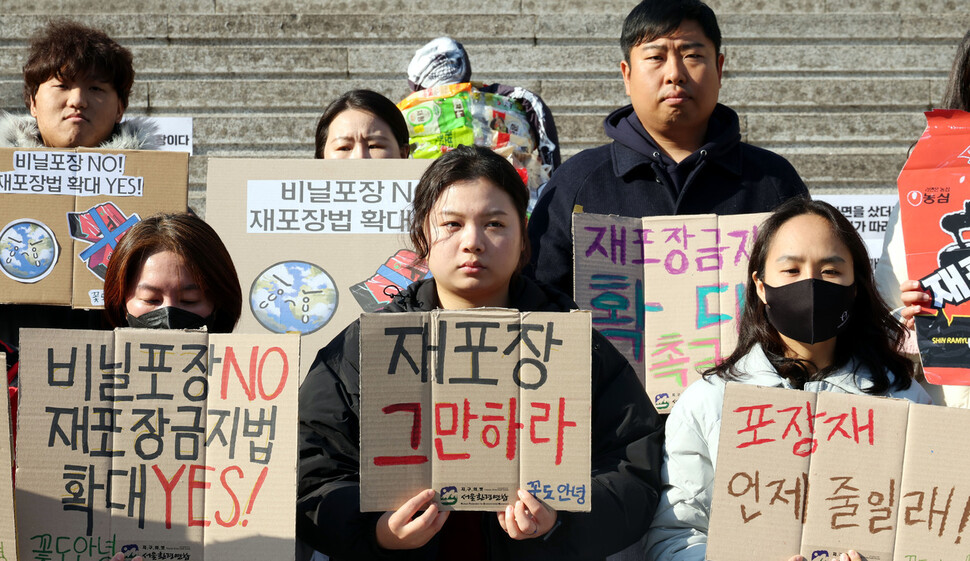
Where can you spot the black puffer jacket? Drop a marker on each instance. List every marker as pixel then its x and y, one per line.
pixel 627 441
pixel 629 177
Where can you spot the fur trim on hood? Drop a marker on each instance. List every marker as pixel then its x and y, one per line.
pixel 138 133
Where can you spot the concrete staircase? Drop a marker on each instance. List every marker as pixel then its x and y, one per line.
pixel 837 87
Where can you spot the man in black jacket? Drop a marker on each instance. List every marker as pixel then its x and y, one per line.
pixel 675 149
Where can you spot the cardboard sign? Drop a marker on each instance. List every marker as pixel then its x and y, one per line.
pixel 935 211
pixel 666 290
pixel 8 527
pixel 475 405
pixel 821 473
pixel 164 444
pixel 63 211
pixel 315 242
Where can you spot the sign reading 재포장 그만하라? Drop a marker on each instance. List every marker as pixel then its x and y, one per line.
pixel 475 405
pixel 62 212
pixel 315 242
pixel 666 290
pixel 818 474
pixel 163 444
pixel 934 203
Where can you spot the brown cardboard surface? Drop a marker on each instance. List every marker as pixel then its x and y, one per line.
pixel 254 481
pixel 934 497
pixel 850 503
pixel 505 398
pixel 60 375
pixel 395 456
pixel 8 527
pixel 760 481
pixel 149 182
pixel 308 265
pixel 181 475
pixel 665 289
pixel 884 477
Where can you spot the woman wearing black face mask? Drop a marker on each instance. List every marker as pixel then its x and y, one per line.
pixel 171 271
pixel 812 320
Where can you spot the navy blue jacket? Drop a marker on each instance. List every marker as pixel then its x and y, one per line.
pixel 629 177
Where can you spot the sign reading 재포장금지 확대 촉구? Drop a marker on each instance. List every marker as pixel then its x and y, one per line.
pixel 666 290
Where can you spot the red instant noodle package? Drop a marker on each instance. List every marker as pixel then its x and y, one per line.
pixel 934 198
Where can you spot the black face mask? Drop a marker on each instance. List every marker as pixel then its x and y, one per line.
pixel 810 310
pixel 168 318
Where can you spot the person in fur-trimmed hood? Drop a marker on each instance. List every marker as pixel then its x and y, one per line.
pixel 76 86
pixel 21 131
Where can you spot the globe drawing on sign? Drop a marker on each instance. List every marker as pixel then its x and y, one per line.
pixel 28 250
pixel 293 296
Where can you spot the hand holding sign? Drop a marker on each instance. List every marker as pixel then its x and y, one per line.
pixel 914 298
pixel 402 529
pixel 528 519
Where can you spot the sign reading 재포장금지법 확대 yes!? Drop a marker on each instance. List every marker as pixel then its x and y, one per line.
pixel 475 405
pixel 165 444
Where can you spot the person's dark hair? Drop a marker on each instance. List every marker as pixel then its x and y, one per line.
pixel 202 253
pixel 362 100
pixel 466 163
pixel 957 94
pixel 651 19
pixel 68 50
pixel 873 335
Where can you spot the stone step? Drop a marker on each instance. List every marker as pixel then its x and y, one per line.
pixel 832 171
pixel 745 94
pixel 443 8
pixel 813 129
pixel 511 61
pixel 761 6
pixel 599 27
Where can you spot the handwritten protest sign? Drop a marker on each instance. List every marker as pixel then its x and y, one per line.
pixel 315 242
pixel 666 290
pixel 8 528
pixel 820 473
pixel 62 213
pixel 475 405
pixel 164 444
pixel 935 214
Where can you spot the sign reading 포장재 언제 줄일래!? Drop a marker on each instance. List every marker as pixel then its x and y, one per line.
pixel 817 474
pixel 475 405
pixel 164 444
